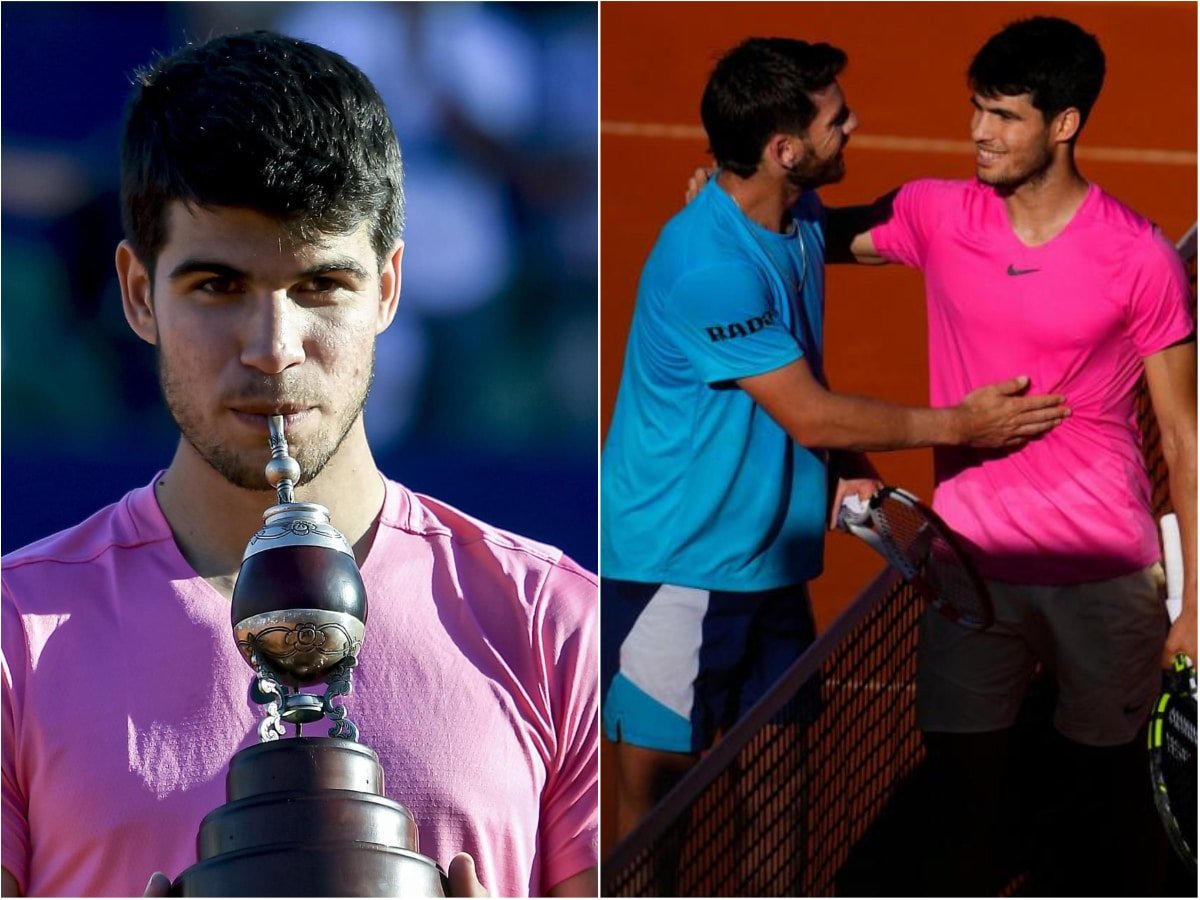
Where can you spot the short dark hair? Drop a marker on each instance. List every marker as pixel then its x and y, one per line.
pixel 759 88
pixel 1054 61
pixel 262 121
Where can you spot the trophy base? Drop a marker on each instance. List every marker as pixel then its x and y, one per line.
pixel 315 869
pixel 306 817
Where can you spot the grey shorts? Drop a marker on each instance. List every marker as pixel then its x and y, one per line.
pixel 1101 641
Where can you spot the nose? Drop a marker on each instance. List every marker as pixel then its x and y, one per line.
pixel 274 336
pixel 850 125
pixel 980 132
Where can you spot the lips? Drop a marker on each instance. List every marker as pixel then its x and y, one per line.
pixel 257 416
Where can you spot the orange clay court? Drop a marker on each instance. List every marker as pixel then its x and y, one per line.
pixel 906 82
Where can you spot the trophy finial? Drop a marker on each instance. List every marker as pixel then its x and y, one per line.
pixel 282 471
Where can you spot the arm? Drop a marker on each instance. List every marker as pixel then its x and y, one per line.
pixel 1171 377
pixel 848 231
pixel 992 416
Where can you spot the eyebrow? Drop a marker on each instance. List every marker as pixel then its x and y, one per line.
pixel 224 270
pixel 995 110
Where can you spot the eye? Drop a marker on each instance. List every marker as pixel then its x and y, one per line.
pixel 320 284
pixel 219 285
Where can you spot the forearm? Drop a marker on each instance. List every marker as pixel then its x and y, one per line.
pixel 846 422
pixel 1171 378
pixel 991 416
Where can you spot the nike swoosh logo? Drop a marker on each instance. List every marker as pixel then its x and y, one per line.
pixel 1012 270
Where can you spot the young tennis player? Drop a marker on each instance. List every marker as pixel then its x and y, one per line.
pixel 263 202
pixel 1031 267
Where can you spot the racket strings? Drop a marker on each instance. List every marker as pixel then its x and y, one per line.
pixel 934 559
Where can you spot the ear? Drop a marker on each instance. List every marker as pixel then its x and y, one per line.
pixel 1065 125
pixel 780 150
pixel 136 283
pixel 389 287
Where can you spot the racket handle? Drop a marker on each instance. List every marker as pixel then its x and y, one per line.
pixel 1172 563
pixel 1185 671
pixel 854 511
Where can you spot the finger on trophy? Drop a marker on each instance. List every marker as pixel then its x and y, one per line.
pixel 464 881
pixel 159 885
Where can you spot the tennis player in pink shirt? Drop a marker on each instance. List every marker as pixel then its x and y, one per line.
pixel 263 205
pixel 1032 268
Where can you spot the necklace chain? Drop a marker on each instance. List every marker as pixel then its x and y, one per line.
pixel 752 228
pixel 799 283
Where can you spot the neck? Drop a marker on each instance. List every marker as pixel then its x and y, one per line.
pixel 761 198
pixel 1042 207
pixel 212 519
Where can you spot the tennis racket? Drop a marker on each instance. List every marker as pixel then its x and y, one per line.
pixel 1172 729
pixel 1172 740
pixel 922 548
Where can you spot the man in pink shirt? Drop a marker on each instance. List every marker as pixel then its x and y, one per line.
pixel 1032 268
pixel 263 205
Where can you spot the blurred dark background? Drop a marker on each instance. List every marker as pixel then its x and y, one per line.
pixel 485 393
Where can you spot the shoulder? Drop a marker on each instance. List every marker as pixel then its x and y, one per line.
pixel 705 232
pixel 75 575
pixel 482 553
pixel 944 192
pixel 1120 223
pixel 127 524
pixel 924 206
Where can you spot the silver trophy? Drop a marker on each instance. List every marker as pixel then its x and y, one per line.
pixel 306 816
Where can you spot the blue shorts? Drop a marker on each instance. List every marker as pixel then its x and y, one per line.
pixel 679 665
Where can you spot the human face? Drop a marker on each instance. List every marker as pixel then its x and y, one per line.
pixel 1012 140
pixel 824 141
pixel 251 322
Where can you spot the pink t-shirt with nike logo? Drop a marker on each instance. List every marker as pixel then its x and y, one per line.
pixel 125 697
pixel 1077 314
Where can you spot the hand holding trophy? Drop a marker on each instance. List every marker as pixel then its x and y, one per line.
pixel 306 816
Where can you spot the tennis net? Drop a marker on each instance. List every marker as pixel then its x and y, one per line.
pixel 777 806
pixel 781 806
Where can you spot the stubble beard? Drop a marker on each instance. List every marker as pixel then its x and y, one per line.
pixel 810 175
pixel 250 474
pixel 1032 175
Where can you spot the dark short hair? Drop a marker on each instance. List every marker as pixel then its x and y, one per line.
pixel 759 88
pixel 262 121
pixel 1054 61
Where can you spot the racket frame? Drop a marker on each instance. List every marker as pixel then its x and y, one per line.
pixel 863 523
pixel 1181 685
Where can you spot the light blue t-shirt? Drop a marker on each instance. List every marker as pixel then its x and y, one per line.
pixel 700 487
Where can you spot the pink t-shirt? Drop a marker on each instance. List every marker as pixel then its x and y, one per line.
pixel 1077 314
pixel 125 697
